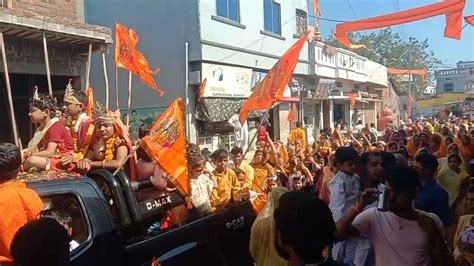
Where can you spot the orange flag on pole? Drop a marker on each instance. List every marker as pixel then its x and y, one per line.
pixel 291 115
pixel 453 9
pixel 127 56
pixel 353 99
pixel 202 88
pixel 271 88
pixel 90 101
pixel 421 72
pixel 316 9
pixel 166 144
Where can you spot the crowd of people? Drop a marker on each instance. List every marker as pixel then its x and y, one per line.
pixel 401 197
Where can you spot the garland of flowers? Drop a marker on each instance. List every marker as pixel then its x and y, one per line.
pixel 108 153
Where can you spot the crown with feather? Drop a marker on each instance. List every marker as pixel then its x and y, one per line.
pixel 102 115
pixel 69 94
pixel 43 101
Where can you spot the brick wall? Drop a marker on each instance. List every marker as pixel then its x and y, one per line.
pixel 57 10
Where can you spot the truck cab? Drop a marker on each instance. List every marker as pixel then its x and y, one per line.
pixel 111 226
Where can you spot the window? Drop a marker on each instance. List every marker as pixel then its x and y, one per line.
pixel 67 210
pixel 301 22
pixel 228 9
pixel 448 87
pixel 3 3
pixel 272 16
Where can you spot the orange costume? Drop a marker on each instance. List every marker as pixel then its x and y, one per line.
pixel 298 133
pixel 466 151
pixel 18 206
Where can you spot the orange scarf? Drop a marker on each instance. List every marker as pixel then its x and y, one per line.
pixel 18 205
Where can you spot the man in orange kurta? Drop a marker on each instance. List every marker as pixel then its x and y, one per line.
pixel 298 133
pixel 18 204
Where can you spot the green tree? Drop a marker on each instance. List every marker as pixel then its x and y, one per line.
pixel 387 48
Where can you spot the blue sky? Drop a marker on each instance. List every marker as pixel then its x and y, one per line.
pixel 448 50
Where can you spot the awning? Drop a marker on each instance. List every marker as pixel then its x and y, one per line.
pixel 25 25
pixel 220 109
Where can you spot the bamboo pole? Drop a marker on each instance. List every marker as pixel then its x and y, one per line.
pixel 88 67
pixel 116 89
pixel 129 103
pixel 9 92
pixel 264 119
pixel 106 78
pixel 46 60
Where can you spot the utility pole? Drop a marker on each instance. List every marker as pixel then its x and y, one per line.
pixel 409 82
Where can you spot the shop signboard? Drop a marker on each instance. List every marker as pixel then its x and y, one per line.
pixel 226 81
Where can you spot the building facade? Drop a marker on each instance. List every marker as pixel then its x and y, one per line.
pixel 233 44
pixel 456 79
pixel 29 29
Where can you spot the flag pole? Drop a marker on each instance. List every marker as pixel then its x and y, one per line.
pixel 116 89
pixel 16 136
pixel 129 103
pixel 106 78
pixel 135 148
pixel 264 119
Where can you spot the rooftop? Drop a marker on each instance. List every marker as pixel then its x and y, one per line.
pixel 27 25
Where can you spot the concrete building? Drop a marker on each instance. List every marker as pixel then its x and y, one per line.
pixel 26 27
pixel 456 79
pixel 233 44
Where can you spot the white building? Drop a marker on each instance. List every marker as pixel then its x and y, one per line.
pixel 232 44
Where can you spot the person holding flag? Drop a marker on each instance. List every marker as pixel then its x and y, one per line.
pixel 110 145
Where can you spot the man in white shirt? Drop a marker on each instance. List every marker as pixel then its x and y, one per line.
pixel 241 131
pixel 397 236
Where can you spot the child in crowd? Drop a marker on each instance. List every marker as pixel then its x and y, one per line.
pixel 297 182
pixel 344 193
pixel 79 124
pixel 18 204
pixel 228 188
pixel 202 186
pixel 240 176
pixel 51 140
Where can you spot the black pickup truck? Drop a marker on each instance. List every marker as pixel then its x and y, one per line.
pixel 110 225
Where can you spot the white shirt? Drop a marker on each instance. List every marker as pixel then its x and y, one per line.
pixel 201 189
pixel 241 131
pixel 397 241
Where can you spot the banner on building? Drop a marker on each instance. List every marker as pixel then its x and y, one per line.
pixel 226 81
pixel 323 89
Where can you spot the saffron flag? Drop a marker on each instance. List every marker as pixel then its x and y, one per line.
pixel 202 88
pixel 453 9
pixel 421 72
pixel 166 144
pixel 90 101
pixel 271 88
pixel 353 98
pixel 291 115
pixel 127 56
pixel 470 19
pixel 316 9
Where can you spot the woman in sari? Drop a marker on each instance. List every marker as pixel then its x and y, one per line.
pixel 466 147
pixel 262 235
pixel 436 141
pixel 413 144
pixel 454 179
